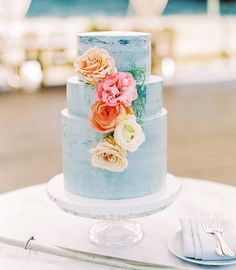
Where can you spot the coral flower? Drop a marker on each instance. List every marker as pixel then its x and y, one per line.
pixel 117 89
pixel 105 118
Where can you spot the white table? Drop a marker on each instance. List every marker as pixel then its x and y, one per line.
pixel 28 212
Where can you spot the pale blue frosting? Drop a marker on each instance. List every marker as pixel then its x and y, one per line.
pixel 127 48
pixel 81 96
pixel 145 174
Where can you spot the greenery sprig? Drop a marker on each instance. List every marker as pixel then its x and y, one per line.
pixel 138 105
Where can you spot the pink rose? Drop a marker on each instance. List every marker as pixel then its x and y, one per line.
pixel 119 88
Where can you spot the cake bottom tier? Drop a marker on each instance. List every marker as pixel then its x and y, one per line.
pixel 146 172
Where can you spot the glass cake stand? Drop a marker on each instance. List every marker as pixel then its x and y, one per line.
pixel 115 229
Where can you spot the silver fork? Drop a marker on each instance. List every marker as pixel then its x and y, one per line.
pixel 218 228
pixel 207 228
pixel 215 226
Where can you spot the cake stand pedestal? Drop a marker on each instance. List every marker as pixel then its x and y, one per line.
pixel 114 229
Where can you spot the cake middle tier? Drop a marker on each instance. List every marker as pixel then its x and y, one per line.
pixel 145 174
pixel 81 96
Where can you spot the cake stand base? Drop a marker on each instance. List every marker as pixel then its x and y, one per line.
pixel 115 233
pixel 115 229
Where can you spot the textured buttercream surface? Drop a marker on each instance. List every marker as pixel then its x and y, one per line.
pixel 129 49
pixel 145 174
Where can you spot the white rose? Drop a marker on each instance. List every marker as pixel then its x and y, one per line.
pixel 109 156
pixel 129 134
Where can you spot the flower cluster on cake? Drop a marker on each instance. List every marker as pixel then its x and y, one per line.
pixel 113 113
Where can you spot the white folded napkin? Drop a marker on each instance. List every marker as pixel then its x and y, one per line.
pixel 200 245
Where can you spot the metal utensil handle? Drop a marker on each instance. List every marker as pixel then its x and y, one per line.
pixel 219 249
pixel 225 248
pixel 85 256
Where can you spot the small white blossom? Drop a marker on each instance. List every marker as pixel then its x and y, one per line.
pixel 129 134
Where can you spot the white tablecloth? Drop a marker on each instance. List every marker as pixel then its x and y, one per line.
pixel 28 212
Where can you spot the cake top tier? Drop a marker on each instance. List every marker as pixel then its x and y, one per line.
pixel 129 49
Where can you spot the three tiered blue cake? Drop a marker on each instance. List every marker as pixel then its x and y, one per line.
pixel 114 127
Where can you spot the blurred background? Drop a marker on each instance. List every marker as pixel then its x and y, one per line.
pixel 193 49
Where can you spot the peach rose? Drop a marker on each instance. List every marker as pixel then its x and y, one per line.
pixel 105 118
pixel 94 65
pixel 109 156
pixel 117 89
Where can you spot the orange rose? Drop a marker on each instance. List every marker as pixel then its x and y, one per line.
pixel 105 118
